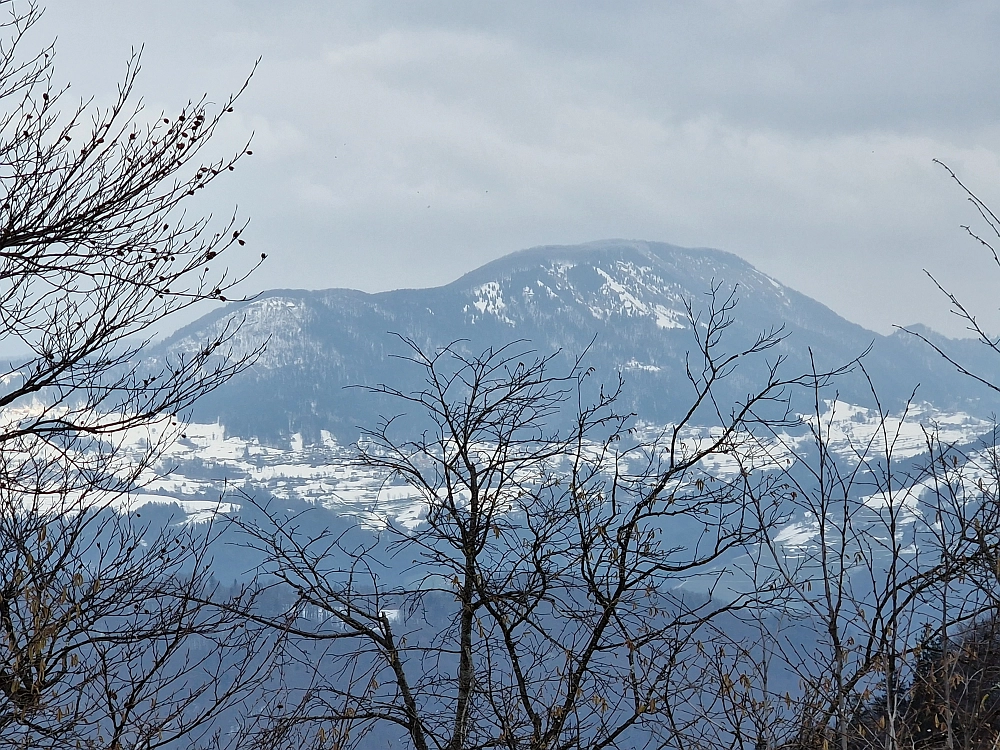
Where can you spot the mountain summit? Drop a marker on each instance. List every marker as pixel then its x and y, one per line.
pixel 626 300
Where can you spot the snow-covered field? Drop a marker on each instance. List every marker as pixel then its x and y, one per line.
pixel 201 469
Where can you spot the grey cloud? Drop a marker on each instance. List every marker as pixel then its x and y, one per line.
pixel 405 143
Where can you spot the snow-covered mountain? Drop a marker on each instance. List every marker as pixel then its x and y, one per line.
pixel 283 429
pixel 627 297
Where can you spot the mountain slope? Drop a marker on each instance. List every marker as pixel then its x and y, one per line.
pixel 625 300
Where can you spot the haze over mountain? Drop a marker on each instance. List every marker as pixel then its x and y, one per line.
pixel 625 300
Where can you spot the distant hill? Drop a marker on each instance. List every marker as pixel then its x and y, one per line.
pixel 627 297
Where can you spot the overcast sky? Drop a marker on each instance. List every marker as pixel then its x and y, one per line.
pixel 405 143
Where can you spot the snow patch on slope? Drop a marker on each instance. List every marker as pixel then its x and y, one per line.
pixel 633 291
pixel 855 430
pixel 489 301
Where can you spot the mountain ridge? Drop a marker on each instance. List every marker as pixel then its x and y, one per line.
pixel 624 299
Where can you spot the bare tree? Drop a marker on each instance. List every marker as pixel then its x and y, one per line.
pixel 107 641
pixel 952 695
pixel 559 588
pixel 986 239
pixel 961 501
pixel 884 553
pixel 852 578
pixel 103 640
